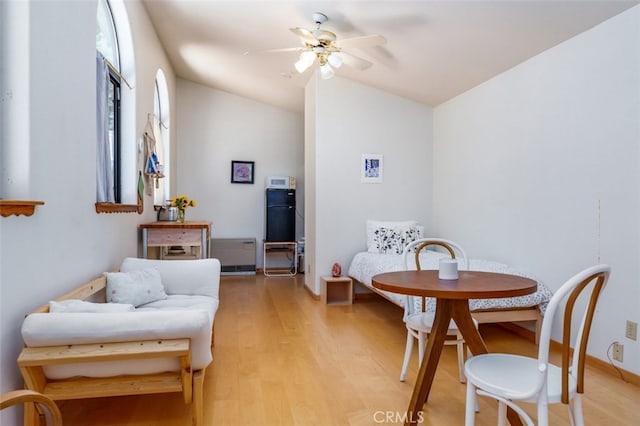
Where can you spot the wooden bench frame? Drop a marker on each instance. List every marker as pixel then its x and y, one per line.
pixel 32 360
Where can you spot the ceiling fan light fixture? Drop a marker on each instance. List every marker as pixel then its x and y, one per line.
pixel 326 72
pixel 306 60
pixel 335 60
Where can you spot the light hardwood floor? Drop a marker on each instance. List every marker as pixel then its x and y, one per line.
pixel 283 358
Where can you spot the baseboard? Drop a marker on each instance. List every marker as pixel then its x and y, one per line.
pixel 521 331
pixel 591 361
pixel 311 293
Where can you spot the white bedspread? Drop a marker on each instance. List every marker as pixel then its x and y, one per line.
pixel 365 265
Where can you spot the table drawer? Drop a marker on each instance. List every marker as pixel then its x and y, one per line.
pixel 174 237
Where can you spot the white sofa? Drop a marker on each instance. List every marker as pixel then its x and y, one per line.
pixel 82 346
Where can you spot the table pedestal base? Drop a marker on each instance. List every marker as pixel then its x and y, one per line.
pixel 446 309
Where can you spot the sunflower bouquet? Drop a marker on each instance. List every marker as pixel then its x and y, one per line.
pixel 181 203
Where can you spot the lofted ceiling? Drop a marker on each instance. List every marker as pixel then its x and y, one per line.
pixel 435 50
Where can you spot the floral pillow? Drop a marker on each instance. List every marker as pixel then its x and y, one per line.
pixel 374 225
pixel 393 241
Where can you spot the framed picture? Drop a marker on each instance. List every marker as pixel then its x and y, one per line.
pixel 242 171
pixel 371 168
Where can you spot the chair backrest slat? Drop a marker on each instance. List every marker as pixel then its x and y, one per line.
pixel 432 243
pixel 573 361
pixel 421 244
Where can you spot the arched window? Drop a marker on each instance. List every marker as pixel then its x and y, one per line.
pixel 114 181
pixel 106 37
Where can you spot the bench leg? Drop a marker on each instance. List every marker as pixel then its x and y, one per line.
pixel 31 416
pixel 198 398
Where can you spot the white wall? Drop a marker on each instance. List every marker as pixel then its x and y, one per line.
pixel 540 168
pixel 65 243
pixel 150 57
pixel 310 171
pixel 216 127
pixel 350 120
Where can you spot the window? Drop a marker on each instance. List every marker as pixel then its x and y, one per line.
pixel 110 172
pixel 108 161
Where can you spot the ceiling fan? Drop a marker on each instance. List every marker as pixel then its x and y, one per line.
pixel 325 46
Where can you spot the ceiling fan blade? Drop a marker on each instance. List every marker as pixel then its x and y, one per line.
pixel 354 61
pixel 305 35
pixel 286 49
pixel 364 41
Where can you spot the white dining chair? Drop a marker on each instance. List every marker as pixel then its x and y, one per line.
pixel 418 322
pixel 510 378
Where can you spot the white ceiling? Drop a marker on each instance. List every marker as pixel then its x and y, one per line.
pixel 435 50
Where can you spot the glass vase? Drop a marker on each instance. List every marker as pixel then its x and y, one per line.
pixel 180 218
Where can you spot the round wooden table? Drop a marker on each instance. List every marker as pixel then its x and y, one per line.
pixel 452 302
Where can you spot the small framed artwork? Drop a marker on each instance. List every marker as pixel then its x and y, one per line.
pixel 242 171
pixel 371 168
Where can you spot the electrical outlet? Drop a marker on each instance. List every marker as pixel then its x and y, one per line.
pixel 632 330
pixel 618 350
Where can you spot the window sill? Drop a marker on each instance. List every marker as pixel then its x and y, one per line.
pixel 18 207
pixel 119 208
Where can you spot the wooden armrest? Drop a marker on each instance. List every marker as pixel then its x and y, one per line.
pixel 82 293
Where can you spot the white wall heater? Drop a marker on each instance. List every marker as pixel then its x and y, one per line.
pixel 237 255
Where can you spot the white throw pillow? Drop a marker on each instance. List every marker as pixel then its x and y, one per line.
pixel 80 306
pixel 393 241
pixel 373 225
pixel 135 287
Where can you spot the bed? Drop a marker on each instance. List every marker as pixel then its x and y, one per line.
pixel 385 241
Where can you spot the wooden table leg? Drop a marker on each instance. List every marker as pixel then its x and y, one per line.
pixel 462 316
pixel 429 364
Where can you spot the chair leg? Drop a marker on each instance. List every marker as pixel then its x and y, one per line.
pixel 538 328
pixel 502 413
pixel 543 413
pixel 462 357
pixel 470 405
pixel 575 411
pixel 407 356
pixel 503 403
pixel 422 344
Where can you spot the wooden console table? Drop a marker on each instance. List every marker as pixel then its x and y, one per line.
pixel 167 234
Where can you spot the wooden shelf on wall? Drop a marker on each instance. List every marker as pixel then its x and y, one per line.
pixel 18 207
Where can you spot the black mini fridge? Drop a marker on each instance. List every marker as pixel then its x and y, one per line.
pixel 281 215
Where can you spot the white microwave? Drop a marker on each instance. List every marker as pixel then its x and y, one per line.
pixel 281 182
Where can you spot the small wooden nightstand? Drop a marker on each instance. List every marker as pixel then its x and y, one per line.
pixel 337 290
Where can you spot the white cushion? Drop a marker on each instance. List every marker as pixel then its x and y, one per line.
pixel 47 329
pixel 76 305
pixel 180 302
pixel 190 277
pixel 134 287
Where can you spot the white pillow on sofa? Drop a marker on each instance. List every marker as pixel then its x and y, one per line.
pixel 135 287
pixel 80 306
